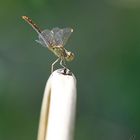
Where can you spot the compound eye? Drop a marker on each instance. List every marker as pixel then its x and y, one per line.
pixel 70 56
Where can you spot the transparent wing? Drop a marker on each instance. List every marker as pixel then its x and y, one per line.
pixel 61 35
pixel 66 34
pixel 55 30
pixel 46 38
pixel 55 37
pixel 57 33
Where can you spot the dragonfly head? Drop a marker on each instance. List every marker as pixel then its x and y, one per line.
pixel 70 56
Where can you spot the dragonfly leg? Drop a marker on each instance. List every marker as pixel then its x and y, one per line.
pixel 54 64
pixel 61 63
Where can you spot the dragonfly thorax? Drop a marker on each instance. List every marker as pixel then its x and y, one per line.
pixel 62 53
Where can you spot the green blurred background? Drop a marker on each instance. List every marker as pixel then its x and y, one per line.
pixel 106 42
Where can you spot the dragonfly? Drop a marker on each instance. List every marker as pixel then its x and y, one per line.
pixel 54 40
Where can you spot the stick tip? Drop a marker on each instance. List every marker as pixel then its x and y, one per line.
pixel 64 71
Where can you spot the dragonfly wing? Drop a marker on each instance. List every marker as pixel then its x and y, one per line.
pixel 55 37
pixel 55 30
pixel 66 32
pixel 46 38
pixel 41 42
pixel 61 35
pixel 57 33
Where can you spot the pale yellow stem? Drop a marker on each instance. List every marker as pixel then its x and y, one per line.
pixel 58 108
